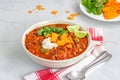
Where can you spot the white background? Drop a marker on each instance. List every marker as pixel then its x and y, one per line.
pixel 14 20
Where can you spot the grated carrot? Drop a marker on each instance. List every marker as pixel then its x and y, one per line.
pixel 29 11
pixel 74 15
pixel 67 11
pixel 70 18
pixel 54 12
pixel 40 7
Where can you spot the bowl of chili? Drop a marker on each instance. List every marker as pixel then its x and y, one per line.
pixel 56 43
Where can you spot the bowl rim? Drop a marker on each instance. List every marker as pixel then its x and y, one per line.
pixel 29 29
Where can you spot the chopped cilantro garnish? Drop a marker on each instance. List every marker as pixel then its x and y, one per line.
pixel 48 30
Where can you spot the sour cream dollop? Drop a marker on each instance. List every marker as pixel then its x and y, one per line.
pixel 47 44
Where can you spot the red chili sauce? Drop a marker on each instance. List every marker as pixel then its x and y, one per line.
pixel 33 43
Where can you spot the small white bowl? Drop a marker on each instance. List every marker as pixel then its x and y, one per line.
pixel 54 63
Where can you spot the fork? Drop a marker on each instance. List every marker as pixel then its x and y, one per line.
pixel 80 75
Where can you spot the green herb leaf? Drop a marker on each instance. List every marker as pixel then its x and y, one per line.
pixel 44 50
pixel 61 32
pixel 94 6
pixel 48 30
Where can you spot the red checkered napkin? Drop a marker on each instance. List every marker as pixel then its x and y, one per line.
pixel 60 74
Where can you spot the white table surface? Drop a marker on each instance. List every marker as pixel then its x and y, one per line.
pixel 14 20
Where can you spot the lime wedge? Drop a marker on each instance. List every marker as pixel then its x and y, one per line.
pixel 73 28
pixel 80 34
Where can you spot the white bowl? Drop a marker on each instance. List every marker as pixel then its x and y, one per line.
pixel 54 63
